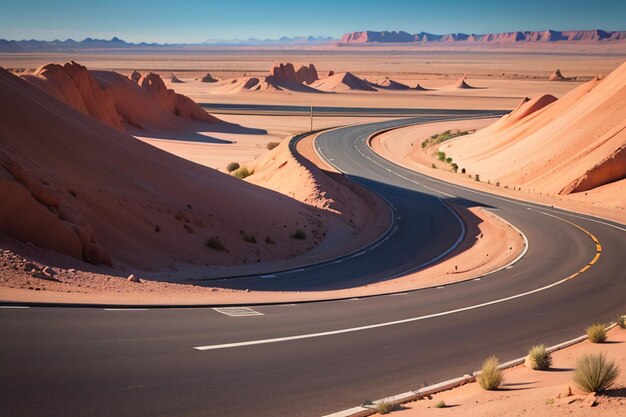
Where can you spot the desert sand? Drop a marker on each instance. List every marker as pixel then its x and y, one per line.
pixel 571 145
pixel 403 146
pixel 140 206
pixel 536 393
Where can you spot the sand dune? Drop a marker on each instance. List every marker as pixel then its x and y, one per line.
pixel 388 84
pixel 462 83
pixel 557 76
pixel 139 206
pixel 574 144
pixel 343 81
pixel 208 78
pixel 139 102
pixel 174 79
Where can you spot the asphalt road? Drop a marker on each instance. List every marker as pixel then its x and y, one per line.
pixel 316 358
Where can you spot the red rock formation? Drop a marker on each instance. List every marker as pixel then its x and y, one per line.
pixel 307 74
pixel 120 102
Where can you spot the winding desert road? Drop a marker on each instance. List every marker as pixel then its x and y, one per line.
pixel 316 358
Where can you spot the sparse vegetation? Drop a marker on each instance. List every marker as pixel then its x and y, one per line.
pixel 442 137
pixel 595 373
pixel 270 240
pixel 539 358
pixel 215 243
pixel 490 377
pixel 272 145
pixel 441 404
pixel 455 167
pixel 232 166
pixel 441 156
pixel 433 165
pixel 386 407
pixel 621 322
pixel 596 333
pixel 242 173
pixel 299 234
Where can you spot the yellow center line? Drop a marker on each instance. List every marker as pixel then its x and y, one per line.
pixel 595 240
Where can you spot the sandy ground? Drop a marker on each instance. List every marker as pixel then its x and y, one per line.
pixel 536 393
pixel 403 146
pixel 364 61
pixel 22 276
pixel 245 148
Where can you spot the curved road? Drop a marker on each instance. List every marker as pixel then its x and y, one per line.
pixel 316 358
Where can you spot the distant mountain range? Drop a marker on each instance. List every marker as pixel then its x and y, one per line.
pixel 116 43
pixel 352 38
pixel 372 37
pixel 299 40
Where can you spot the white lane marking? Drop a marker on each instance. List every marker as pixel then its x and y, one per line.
pixel 338 261
pixel 377 325
pixel 267 276
pixel 125 309
pixel 238 311
pixel 440 287
pixel 399 293
pixel 7 307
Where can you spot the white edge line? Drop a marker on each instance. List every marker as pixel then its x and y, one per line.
pixel 378 325
pixel 14 307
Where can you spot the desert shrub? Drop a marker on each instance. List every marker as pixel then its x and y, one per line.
pixel 270 240
pixel 596 333
pixel 232 166
pixel 621 322
pixel 424 144
pixel 595 373
pixel 215 243
pixel 272 145
pixel 490 377
pixel 433 165
pixel 386 407
pixel 441 404
pixel 449 160
pixel 476 177
pixel 299 234
pixel 539 358
pixel 441 156
pixel 243 172
pixel 455 167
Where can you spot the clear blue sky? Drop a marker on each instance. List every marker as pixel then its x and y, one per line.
pixel 198 20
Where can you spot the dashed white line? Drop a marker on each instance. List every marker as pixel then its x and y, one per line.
pixel 266 276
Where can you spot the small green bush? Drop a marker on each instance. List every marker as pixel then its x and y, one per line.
pixel 490 377
pixel 386 407
pixel 449 160
pixel 441 404
pixel 539 358
pixel 596 333
pixel 441 156
pixel 243 172
pixel 232 166
pixel 215 243
pixel 595 373
pixel 272 145
pixel 299 234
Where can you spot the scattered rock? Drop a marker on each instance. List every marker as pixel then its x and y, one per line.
pixel 133 278
pixel 30 267
pixel 49 271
